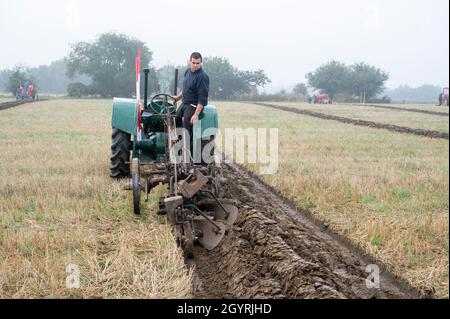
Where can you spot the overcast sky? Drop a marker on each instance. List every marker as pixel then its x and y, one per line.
pixel 407 38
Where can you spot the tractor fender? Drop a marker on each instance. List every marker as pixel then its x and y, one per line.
pixel 124 115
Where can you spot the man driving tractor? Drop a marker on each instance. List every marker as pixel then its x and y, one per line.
pixel 194 95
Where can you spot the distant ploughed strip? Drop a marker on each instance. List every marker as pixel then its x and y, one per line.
pixel 8 105
pixel 404 109
pixel 389 127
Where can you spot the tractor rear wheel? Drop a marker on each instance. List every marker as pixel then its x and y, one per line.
pixel 120 154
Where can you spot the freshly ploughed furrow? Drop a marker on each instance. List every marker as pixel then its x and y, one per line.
pixel 273 251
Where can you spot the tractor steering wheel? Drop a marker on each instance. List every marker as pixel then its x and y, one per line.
pixel 165 106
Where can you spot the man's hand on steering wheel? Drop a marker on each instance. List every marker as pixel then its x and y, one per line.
pixel 176 98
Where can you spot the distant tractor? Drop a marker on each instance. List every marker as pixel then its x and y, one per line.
pixel 323 99
pixel 320 99
pixel 26 91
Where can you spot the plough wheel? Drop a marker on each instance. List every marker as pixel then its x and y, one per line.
pixel 187 242
pixel 136 193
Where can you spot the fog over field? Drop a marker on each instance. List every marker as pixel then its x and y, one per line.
pixel 408 39
pixel 302 154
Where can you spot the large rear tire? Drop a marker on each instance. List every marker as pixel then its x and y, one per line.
pixel 120 154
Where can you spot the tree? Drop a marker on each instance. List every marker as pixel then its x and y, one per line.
pixel 166 76
pixel 3 80
pixel 336 77
pixel 254 79
pixel 300 89
pixel 224 78
pixel 110 63
pixel 16 75
pixel 226 81
pixel 331 78
pixel 368 79
pixel 78 89
pixel 423 93
pixel 53 78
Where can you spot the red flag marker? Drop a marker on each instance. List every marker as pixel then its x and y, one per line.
pixel 138 94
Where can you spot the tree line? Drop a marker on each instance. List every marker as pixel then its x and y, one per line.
pixel 46 78
pixel 109 59
pixel 357 80
pixel 105 68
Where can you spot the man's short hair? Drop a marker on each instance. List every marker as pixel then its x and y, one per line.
pixel 196 56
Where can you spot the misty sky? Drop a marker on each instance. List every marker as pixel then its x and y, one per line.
pixel 407 38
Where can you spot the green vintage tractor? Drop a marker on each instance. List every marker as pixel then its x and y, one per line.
pixel 159 151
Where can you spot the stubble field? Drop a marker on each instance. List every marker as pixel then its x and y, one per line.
pixel 385 191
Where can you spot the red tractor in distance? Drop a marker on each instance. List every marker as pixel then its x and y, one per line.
pixel 320 99
pixel 26 91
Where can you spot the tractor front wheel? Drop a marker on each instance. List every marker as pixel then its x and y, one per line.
pixel 120 154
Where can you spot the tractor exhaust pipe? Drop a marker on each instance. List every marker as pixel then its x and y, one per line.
pixel 146 71
pixel 175 85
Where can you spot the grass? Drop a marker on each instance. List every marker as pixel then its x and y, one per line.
pixel 395 117
pixel 58 206
pixel 387 192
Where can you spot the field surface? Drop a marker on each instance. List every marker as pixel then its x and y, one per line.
pixel 59 207
pixel 387 192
